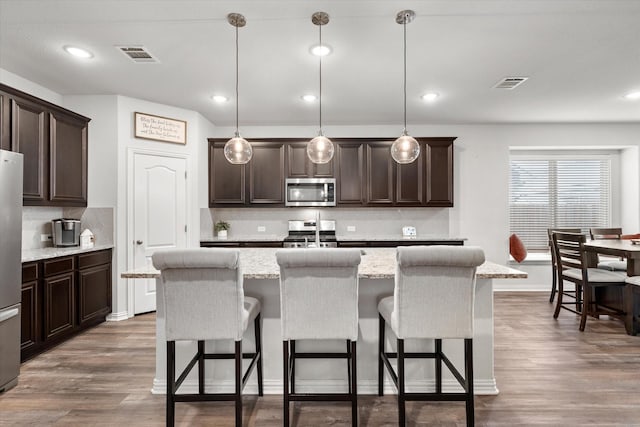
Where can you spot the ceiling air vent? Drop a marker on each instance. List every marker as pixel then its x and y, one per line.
pixel 137 54
pixel 510 82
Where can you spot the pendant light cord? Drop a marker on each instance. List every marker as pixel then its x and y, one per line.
pixel 404 27
pixel 237 98
pixel 320 94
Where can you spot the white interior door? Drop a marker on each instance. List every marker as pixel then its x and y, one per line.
pixel 159 216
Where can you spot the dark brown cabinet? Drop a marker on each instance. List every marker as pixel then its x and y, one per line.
pixel 299 165
pixel 350 174
pixel 258 183
pixel 30 335
pixel 53 141
pixel 63 296
pixel 365 173
pixel 94 286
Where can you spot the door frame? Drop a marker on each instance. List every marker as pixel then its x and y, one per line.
pixel 131 153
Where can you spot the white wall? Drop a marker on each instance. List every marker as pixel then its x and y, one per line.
pixel 17 82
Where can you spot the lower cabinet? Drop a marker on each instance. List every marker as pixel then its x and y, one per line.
pixel 63 296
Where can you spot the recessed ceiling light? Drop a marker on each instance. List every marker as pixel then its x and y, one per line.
pixel 219 98
pixel 633 95
pixel 78 52
pixel 431 96
pixel 320 50
pixel 309 98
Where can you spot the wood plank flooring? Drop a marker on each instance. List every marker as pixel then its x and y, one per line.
pixel 547 371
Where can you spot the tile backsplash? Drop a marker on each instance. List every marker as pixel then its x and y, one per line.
pixel 363 221
pixel 36 221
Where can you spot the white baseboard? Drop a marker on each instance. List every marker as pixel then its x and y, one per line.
pixel 367 387
pixel 116 317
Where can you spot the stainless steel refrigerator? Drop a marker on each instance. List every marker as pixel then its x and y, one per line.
pixel 10 266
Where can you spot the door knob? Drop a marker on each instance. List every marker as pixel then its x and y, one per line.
pixel 138 242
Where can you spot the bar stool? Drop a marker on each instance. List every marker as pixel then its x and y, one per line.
pixel 614 233
pixel 433 298
pixel 632 294
pixel 204 300
pixel 319 301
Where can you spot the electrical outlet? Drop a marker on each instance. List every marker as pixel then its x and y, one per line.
pixel 351 228
pixel 262 228
pixel 45 237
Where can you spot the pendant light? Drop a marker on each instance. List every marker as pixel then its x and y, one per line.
pixel 237 150
pixel 320 149
pixel 405 149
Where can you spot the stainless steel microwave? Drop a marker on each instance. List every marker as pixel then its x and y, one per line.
pixel 310 192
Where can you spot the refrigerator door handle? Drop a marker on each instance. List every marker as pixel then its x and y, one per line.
pixel 8 314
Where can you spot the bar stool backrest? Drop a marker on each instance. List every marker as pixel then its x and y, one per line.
pixel 203 295
pixel 319 293
pixel 434 291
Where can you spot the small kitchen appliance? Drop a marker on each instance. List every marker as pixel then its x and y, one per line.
pixel 302 234
pixel 66 232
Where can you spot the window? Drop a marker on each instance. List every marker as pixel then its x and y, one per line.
pixel 561 191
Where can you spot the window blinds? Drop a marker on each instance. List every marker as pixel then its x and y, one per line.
pixel 558 192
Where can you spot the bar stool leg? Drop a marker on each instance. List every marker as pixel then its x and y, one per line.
pixel 201 367
pixel 292 357
pixel 468 359
pixel 349 365
pixel 381 326
pixel 285 383
pixel 238 357
pixel 586 306
pixel 354 384
pixel 171 372
pixel 258 335
pixel 401 402
pixel 438 351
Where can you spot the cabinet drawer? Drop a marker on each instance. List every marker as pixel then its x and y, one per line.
pixel 57 266
pixel 94 258
pixel 29 272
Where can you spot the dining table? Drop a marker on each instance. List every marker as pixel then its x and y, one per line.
pixel 627 300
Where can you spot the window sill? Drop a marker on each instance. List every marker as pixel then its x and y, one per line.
pixel 533 259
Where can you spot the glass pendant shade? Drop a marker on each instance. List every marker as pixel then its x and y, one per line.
pixel 237 150
pixel 320 149
pixel 405 149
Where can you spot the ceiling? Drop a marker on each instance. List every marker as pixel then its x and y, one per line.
pixel 581 58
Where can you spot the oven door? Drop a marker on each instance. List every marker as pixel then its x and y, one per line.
pixel 310 192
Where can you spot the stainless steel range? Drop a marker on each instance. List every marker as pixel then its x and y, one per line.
pixel 305 234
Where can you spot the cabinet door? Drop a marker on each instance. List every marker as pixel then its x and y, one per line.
pixel 297 161
pixel 59 305
pixel 5 142
pixel 350 174
pixel 266 174
pixel 29 136
pixel 68 160
pixel 94 293
pixel 439 176
pixel 380 174
pixel 226 181
pixel 410 181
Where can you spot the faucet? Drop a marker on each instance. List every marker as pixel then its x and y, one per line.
pixel 318 228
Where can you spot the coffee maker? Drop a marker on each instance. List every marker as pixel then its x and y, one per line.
pixel 66 232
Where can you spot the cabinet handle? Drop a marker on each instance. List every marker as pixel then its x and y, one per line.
pixel 138 242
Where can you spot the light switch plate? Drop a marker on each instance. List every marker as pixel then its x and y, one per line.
pixel 262 228
pixel 351 228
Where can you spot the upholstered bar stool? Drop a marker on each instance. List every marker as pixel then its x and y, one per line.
pixel 204 300
pixel 604 263
pixel 319 301
pixel 433 298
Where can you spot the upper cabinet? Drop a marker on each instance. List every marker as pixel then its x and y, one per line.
pixel 53 141
pixel 366 175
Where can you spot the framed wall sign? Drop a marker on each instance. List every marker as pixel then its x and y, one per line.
pixel 157 128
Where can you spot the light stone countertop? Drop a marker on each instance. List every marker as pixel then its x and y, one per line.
pixel 46 253
pixel 376 263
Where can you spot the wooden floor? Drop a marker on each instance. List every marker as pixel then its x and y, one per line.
pixel 547 371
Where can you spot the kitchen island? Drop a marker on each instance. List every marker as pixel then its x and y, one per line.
pixel 376 274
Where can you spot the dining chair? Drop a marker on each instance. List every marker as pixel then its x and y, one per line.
pixel 554 262
pixel 433 298
pixel 318 301
pixel 204 300
pixel 573 267
pixel 597 233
